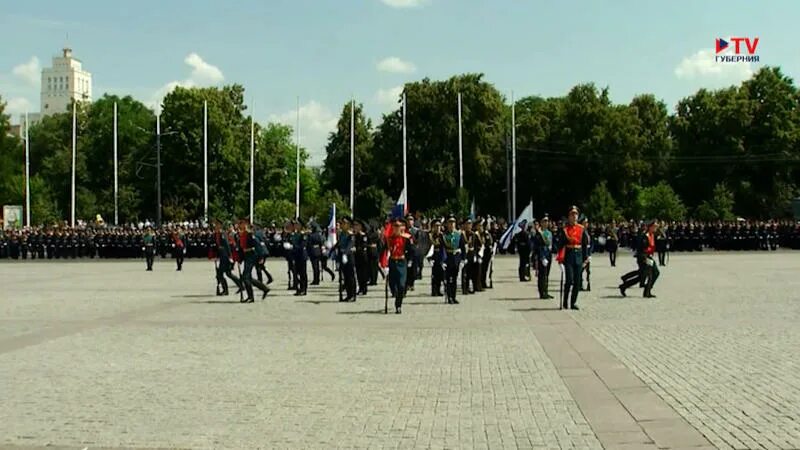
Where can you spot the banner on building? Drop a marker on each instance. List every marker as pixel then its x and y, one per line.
pixel 12 217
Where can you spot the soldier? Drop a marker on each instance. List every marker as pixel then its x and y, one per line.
pixel 315 244
pixel 587 266
pixel 401 250
pixel 522 242
pixel 661 245
pixel 262 251
pixel 647 273
pixel 344 251
pixel 361 244
pixel 469 257
pixel 435 255
pixel 422 244
pixel 224 253
pixel 476 274
pixel 612 243
pixel 543 252
pixel 454 246
pixel 178 248
pixel 488 256
pixel 412 231
pixel 299 255
pixel 286 238
pixel 573 254
pixel 149 248
pixel 247 246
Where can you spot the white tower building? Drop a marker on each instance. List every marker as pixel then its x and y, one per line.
pixel 64 81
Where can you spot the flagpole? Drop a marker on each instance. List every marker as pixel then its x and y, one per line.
pixel 74 150
pixel 252 159
pixel 460 148
pixel 116 173
pixel 352 151
pixel 405 162
pixel 205 161
pixel 297 163
pixel 513 158
pixel 27 174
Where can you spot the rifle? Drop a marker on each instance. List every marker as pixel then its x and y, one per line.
pixel 446 284
pixel 341 282
pixel 216 275
pixel 491 267
pixel 561 288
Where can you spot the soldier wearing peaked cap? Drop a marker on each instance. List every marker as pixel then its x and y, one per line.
pixel 247 247
pixel 345 247
pixel 225 254
pixel 361 246
pixel 401 248
pixel 542 251
pixel 299 254
pixel 435 255
pixel 573 254
pixel 413 263
pixel 454 247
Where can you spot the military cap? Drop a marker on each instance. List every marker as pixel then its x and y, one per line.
pixel 400 220
pixel 362 223
pixel 346 220
pixel 436 221
pixel 573 208
pixel 466 221
pixel 451 218
pixel 651 222
pixel 546 218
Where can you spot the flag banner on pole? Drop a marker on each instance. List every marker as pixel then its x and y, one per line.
pixel 525 218
pixel 400 208
pixel 472 211
pixel 332 237
pixel 383 262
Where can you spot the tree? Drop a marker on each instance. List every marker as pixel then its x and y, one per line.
pixel 659 202
pixel 719 207
pixel 336 173
pixel 601 206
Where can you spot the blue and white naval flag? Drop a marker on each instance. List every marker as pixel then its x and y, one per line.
pixel 524 219
pixel 400 208
pixel 472 212
pixel 330 240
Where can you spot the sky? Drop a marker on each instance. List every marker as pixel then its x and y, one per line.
pixel 325 52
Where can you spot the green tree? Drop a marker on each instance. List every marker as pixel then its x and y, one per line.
pixel 601 206
pixel 719 207
pixel 336 173
pixel 659 202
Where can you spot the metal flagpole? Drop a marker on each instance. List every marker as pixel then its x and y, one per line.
pixel 158 168
pixel 205 161
pixel 116 179
pixel 513 158
pixel 74 149
pixel 252 160
pixel 27 174
pixel 405 171
pixel 460 148
pixel 297 163
pixel 352 151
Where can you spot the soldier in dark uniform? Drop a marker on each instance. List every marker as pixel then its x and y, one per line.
pixel 422 244
pixel 286 238
pixel 476 275
pixel 436 253
pixel 247 245
pixel 149 248
pixel 661 246
pixel 587 266
pixel 262 251
pixel 648 270
pixel 413 265
pixel 345 247
pixel 178 247
pixel 612 243
pixel 469 257
pixel 522 243
pixel 315 244
pixel 373 255
pixel 225 255
pixel 454 245
pixel 361 245
pixel 543 252
pixel 488 255
pixel 299 254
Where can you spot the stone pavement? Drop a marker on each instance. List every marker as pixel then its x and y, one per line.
pixel 103 354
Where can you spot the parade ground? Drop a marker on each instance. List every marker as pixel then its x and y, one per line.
pixel 98 354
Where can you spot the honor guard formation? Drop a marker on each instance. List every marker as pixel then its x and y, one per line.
pixel 357 253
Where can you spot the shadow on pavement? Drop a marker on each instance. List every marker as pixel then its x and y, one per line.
pixel 511 299
pixel 376 311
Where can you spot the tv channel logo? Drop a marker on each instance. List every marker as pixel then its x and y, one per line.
pixel 736 49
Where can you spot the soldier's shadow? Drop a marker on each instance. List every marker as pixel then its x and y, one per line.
pixel 350 313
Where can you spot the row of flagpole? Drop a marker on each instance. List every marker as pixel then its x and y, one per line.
pixel 252 160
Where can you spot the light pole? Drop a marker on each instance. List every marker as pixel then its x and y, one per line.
pixel 158 163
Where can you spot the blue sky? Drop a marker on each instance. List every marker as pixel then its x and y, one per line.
pixel 326 51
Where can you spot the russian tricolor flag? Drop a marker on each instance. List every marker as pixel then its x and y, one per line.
pixel 400 209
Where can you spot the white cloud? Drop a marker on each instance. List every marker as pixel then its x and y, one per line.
pixel 29 72
pixel 394 64
pixel 316 122
pixel 18 105
pixel 203 74
pixel 703 66
pixel 389 97
pixel 404 3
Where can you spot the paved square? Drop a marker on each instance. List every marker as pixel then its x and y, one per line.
pixel 102 354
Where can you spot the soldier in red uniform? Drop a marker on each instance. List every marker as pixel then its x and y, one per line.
pixel 572 244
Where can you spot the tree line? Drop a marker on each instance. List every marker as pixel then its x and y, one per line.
pixel 721 153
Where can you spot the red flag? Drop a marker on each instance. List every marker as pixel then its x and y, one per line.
pixel 387 232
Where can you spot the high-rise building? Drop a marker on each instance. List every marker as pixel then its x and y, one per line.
pixel 64 81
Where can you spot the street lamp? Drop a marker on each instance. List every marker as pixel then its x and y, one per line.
pixel 158 164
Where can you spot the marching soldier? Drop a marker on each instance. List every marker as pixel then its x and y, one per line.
pixel 612 243
pixel 522 242
pixel 469 257
pixel 488 256
pixel 412 231
pixel 401 266
pixel 345 247
pixel 286 238
pixel 647 273
pixel 226 257
pixel 262 251
pixel 479 250
pixel 436 257
pixel 178 247
pixel 361 243
pixel 454 246
pixel 300 258
pixel 573 254
pixel 149 248
pixel 247 246
pixel 587 267
pixel 315 244
pixel 542 251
